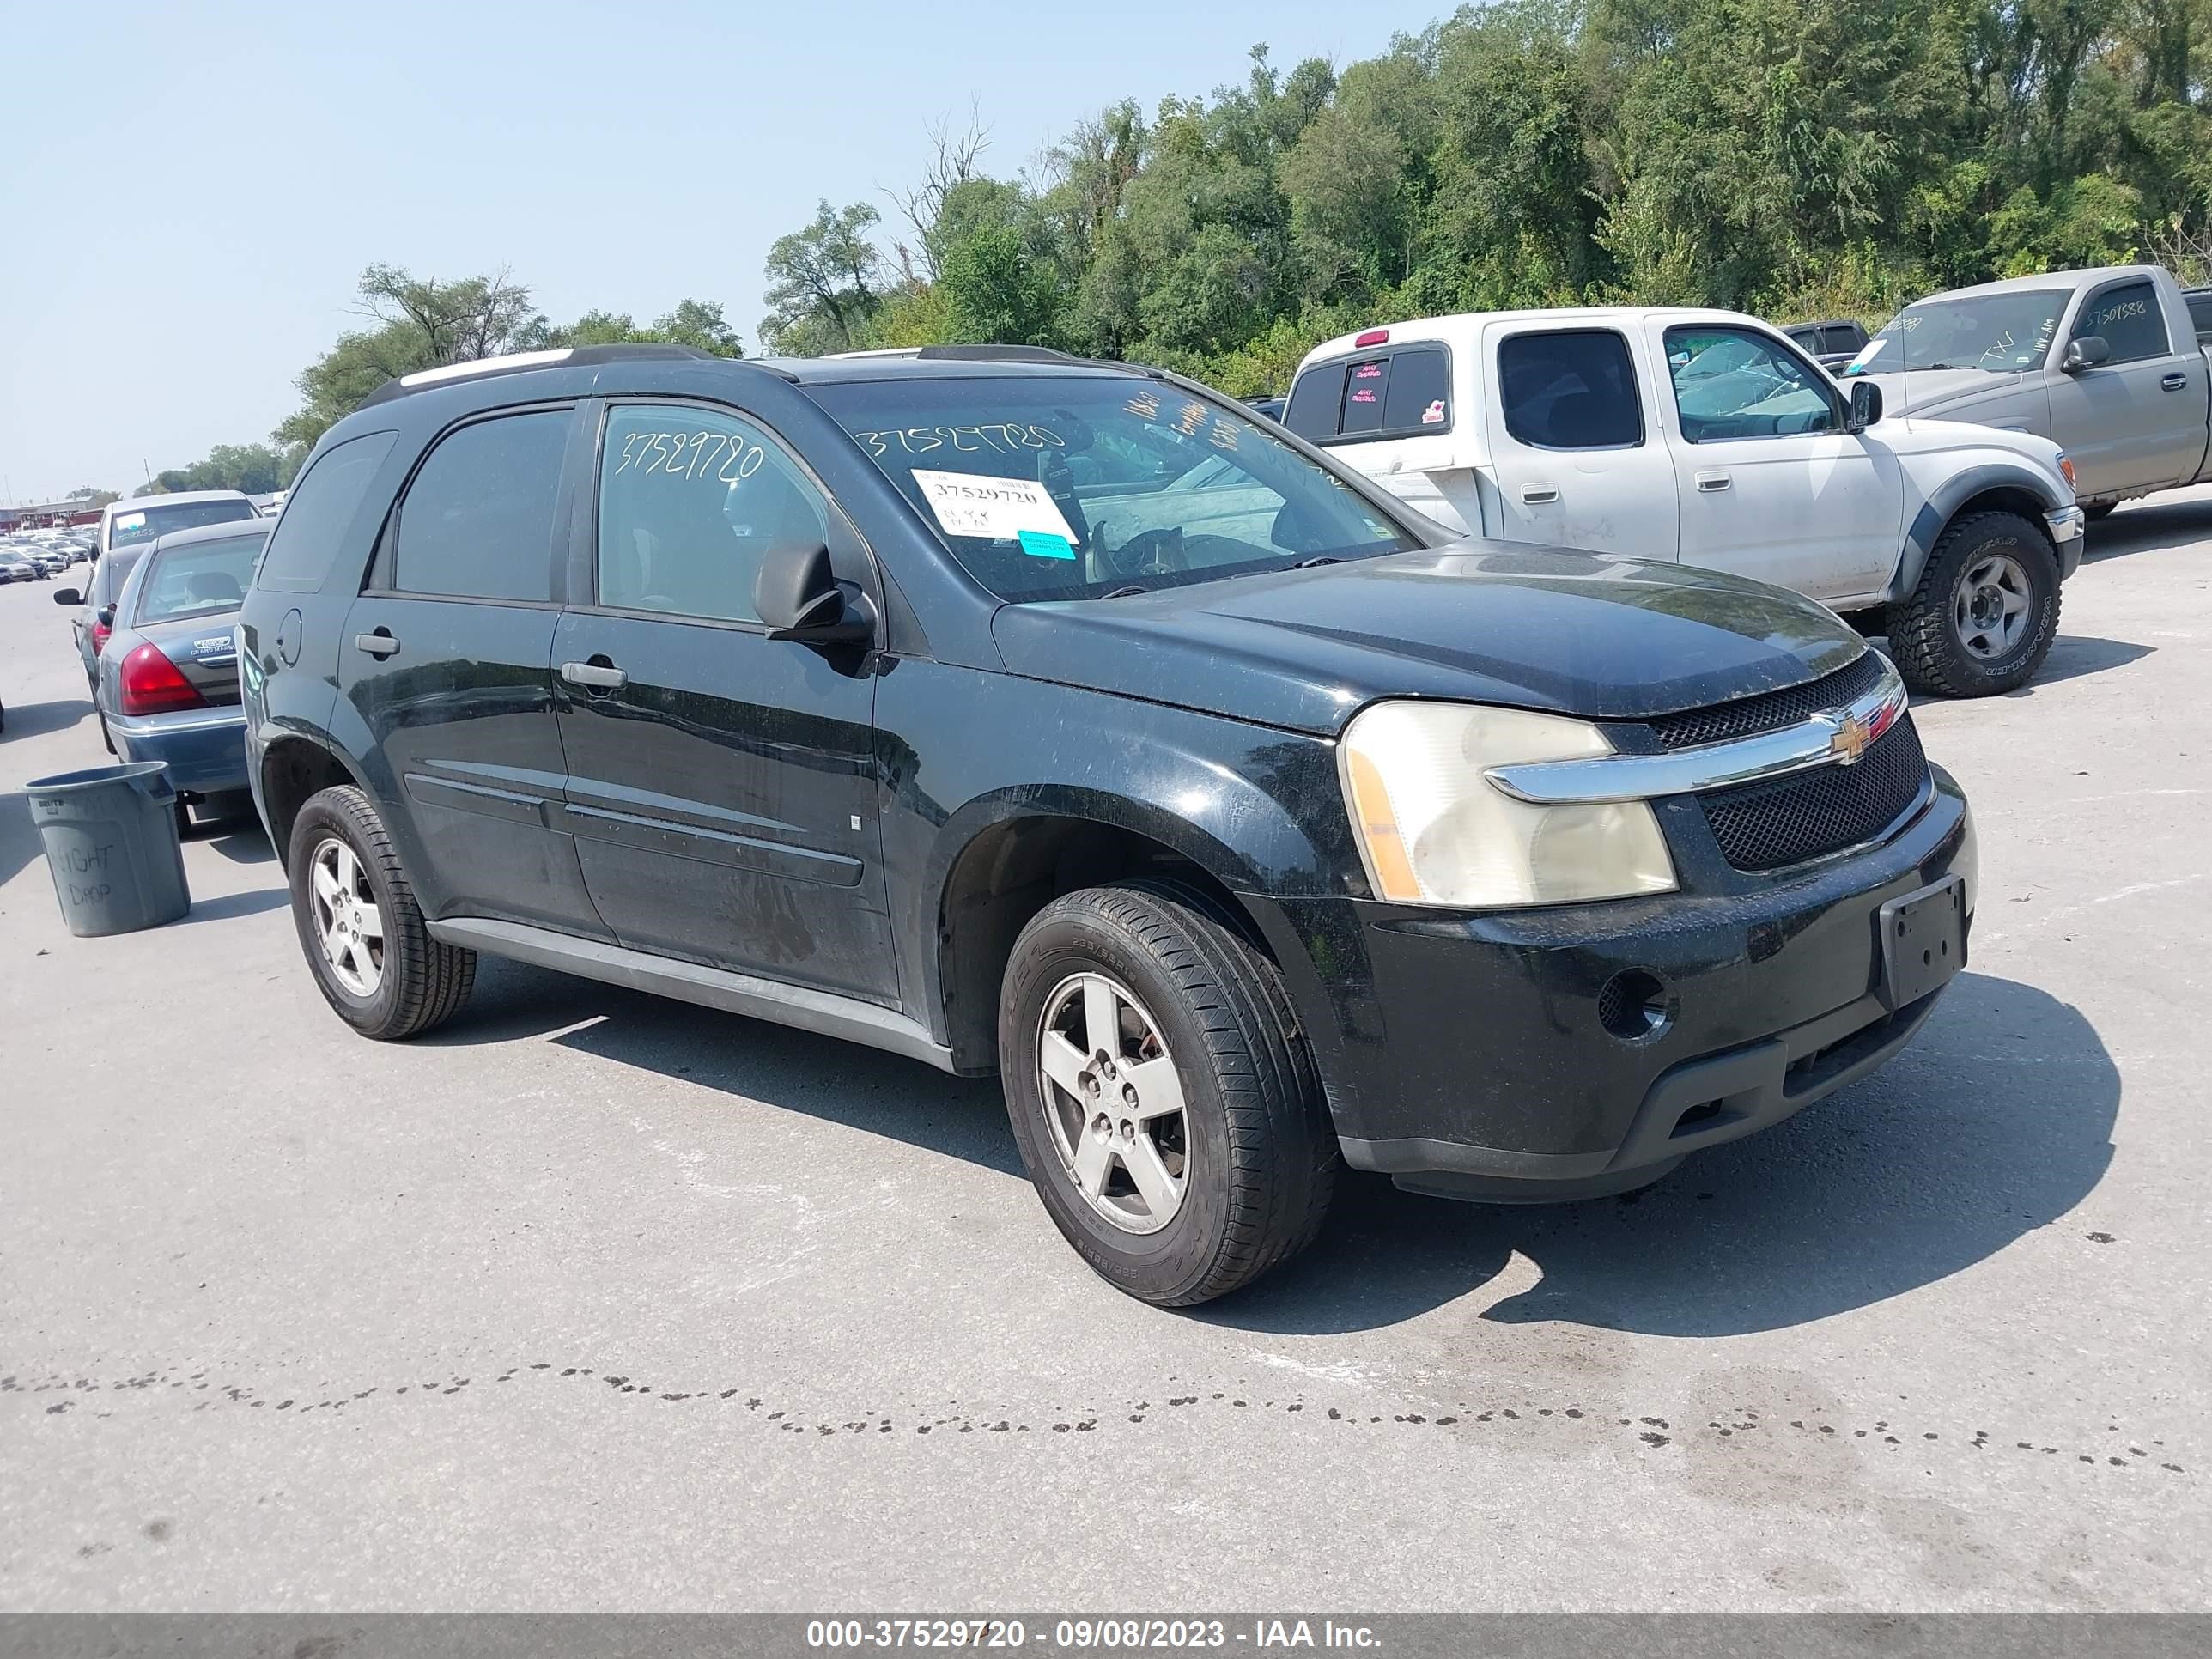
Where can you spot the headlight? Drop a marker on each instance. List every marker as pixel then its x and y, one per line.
pixel 1433 830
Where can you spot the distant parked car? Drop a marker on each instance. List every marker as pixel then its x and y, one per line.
pixel 95 607
pixel 167 688
pixel 18 567
pixel 1831 344
pixel 139 521
pixel 1271 407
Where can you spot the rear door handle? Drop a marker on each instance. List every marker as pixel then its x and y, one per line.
pixel 2175 381
pixel 598 676
pixel 379 644
pixel 1537 494
pixel 1709 482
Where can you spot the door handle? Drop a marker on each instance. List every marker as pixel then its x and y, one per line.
pixel 379 644
pixel 2175 381
pixel 1709 482
pixel 597 675
pixel 1536 494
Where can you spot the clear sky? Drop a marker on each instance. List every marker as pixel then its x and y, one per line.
pixel 188 193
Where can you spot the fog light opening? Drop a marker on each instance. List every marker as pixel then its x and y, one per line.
pixel 1635 1006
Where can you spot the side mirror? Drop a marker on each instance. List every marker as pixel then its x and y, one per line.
pixel 799 598
pixel 2085 353
pixel 67 596
pixel 106 617
pixel 1866 406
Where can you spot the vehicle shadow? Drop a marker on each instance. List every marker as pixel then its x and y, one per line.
pixel 18 837
pixel 2073 655
pixel 825 1078
pixel 2151 526
pixel 35 719
pixel 1996 1121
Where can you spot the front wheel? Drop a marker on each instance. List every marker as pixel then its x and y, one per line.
pixel 1985 612
pixel 1165 1107
pixel 373 958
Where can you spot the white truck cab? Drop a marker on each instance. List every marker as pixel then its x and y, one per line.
pixel 1708 438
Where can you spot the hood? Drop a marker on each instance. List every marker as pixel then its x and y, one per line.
pixel 1929 390
pixel 1475 621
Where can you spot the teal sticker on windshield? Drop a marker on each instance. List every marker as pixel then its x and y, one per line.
pixel 1043 544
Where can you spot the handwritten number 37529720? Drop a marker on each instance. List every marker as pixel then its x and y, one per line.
pixel 721 456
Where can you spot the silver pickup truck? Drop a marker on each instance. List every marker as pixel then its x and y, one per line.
pixel 2108 363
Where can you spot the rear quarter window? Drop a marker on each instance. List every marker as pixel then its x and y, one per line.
pixel 318 512
pixel 1570 389
pixel 1402 393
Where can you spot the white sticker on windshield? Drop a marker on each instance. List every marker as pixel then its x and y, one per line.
pixel 128 521
pixel 996 509
pixel 1865 356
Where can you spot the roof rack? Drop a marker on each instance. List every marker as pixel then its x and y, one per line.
pixel 516 361
pixel 967 354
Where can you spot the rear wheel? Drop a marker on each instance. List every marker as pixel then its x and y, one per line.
pixel 1166 1110
pixel 363 935
pixel 1985 612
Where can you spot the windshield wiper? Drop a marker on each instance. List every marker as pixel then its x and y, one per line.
pixel 1318 558
pixel 1130 592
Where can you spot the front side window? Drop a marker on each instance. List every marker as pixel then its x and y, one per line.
pixel 477 521
pixel 2002 333
pixel 2128 320
pixel 142 525
pixel 1574 389
pixel 319 511
pixel 197 579
pixel 1731 383
pixel 690 502
pixel 991 465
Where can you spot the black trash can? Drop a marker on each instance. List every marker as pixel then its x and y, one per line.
pixel 111 836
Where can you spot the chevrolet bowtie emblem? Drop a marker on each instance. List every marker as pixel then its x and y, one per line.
pixel 1849 741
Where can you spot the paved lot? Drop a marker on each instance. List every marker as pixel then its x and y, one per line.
pixel 593 1300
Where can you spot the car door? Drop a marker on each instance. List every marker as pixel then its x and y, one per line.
pixel 2137 418
pixel 446 659
pixel 722 784
pixel 1575 463
pixel 1768 483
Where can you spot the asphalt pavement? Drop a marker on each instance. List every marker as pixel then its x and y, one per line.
pixel 594 1301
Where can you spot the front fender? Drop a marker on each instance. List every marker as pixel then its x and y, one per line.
pixel 964 751
pixel 1944 495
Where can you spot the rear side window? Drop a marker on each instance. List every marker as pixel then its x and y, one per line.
pixel 318 512
pixel 1571 389
pixel 477 521
pixel 1404 393
pixel 1315 397
pixel 2128 319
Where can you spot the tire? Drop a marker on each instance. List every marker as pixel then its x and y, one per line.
pixel 2099 512
pixel 394 980
pixel 1258 1154
pixel 1929 634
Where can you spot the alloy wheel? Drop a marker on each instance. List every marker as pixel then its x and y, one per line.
pixel 1989 611
pixel 347 921
pixel 1113 1102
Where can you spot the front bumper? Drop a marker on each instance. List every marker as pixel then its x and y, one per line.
pixel 1466 1055
pixel 2068 527
pixel 204 748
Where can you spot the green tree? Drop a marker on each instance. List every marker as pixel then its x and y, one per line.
pixel 825 283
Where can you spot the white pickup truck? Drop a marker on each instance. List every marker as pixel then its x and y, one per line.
pixel 2106 363
pixel 1708 438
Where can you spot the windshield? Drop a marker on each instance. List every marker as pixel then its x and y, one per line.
pixel 197 579
pixel 143 523
pixel 1079 487
pixel 2002 333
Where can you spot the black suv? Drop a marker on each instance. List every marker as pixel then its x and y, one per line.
pixel 1013 711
